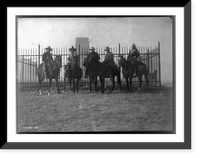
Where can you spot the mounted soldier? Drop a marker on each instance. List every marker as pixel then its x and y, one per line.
pixel 47 60
pixel 109 60
pixel 133 56
pixel 94 59
pixel 72 58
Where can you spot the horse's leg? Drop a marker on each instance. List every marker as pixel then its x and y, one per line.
pixel 58 90
pixel 119 82
pixel 50 81
pixel 127 84
pixel 70 87
pixel 39 86
pixel 40 79
pixel 113 82
pixel 130 82
pixel 147 80
pixel 102 84
pixel 95 84
pixel 77 85
pixel 140 82
pixel 64 83
pixel 90 84
pixel 74 85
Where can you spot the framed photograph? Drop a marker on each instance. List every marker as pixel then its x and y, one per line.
pixel 98 78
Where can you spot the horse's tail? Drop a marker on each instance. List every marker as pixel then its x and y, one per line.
pixel 38 69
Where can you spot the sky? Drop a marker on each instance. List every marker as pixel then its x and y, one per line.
pixel 102 32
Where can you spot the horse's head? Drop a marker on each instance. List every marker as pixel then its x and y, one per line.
pixel 121 60
pixel 76 59
pixel 58 60
pixel 86 59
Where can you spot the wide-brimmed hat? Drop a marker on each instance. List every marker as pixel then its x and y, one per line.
pixel 72 48
pixel 92 48
pixel 107 49
pixel 48 48
pixel 133 45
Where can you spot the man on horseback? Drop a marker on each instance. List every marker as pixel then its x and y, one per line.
pixel 72 58
pixel 109 60
pixel 47 59
pixel 94 60
pixel 133 57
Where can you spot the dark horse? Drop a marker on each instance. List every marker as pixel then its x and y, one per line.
pixel 95 70
pixel 112 73
pixel 100 70
pixel 53 70
pixel 72 72
pixel 128 71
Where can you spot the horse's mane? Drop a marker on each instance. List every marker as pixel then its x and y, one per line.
pixel 53 64
pixel 126 64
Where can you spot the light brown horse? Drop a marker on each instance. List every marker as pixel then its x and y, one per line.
pixel 128 72
pixel 53 70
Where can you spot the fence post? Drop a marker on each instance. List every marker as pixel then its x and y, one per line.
pixel 30 71
pixel 148 57
pixel 22 68
pixel 79 50
pixel 159 63
pixel 38 55
pixel 119 66
pixel 151 56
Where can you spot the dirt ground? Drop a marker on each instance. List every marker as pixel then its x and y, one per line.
pixel 90 112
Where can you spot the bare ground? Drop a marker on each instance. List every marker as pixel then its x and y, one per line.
pixel 78 112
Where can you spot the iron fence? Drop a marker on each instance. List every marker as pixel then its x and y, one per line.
pixel 29 59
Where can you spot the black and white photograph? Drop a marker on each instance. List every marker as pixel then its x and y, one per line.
pixel 95 74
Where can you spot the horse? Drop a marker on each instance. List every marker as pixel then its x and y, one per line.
pixel 53 70
pixel 73 72
pixel 128 72
pixel 115 72
pixel 95 70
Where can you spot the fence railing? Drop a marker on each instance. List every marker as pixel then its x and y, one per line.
pixel 29 59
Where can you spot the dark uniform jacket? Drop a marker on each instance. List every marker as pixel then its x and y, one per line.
pixel 46 57
pixel 109 58
pixel 94 56
pixel 72 59
pixel 133 54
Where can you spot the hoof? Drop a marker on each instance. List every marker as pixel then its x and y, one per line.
pixel 139 89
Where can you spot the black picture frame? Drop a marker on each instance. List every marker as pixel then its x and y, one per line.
pixel 125 145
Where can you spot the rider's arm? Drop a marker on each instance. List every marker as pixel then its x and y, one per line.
pixel 109 57
pixel 51 57
pixel 69 58
pixel 97 57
